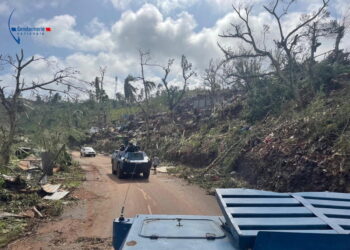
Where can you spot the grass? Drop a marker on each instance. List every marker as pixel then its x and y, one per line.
pixel 11 229
pixel 71 177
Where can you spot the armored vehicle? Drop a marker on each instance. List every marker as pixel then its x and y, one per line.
pixel 251 219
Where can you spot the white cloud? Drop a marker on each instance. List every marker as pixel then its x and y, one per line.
pixel 64 35
pixel 121 4
pixel 167 6
pixel 164 6
pixel 225 6
pixel 95 26
pixel 147 29
pixel 116 46
pixel 343 8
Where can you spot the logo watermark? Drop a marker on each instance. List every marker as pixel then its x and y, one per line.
pixel 18 31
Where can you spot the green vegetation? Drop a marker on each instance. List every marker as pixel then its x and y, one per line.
pixel 11 229
pixel 71 176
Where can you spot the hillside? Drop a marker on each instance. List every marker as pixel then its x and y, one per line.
pixel 293 150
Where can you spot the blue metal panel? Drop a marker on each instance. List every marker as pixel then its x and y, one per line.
pixel 249 212
pixel 252 233
pixel 297 241
pixel 181 228
pixel 173 239
pixel 283 212
pixel 120 231
pixel 330 203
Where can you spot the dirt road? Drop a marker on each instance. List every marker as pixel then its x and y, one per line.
pixel 88 223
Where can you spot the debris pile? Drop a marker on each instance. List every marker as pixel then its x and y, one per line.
pixel 27 195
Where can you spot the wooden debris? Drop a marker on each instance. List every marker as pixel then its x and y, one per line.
pixel 8 215
pixel 37 212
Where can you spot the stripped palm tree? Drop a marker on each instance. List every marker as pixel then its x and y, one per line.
pixel 129 90
pixel 149 86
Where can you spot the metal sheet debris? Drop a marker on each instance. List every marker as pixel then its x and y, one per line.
pixel 56 196
pixel 30 162
pixel 49 188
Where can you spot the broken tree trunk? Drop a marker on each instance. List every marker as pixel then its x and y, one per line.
pixel 220 158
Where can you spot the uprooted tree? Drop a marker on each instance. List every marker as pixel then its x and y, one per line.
pixel 13 91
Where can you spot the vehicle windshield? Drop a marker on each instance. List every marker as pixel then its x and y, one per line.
pixel 88 148
pixel 135 156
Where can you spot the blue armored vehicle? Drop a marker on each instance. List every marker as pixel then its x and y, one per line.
pixel 131 161
pixel 252 219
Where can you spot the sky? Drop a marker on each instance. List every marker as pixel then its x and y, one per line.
pixel 89 34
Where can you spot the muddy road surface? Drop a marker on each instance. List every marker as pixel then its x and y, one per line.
pixel 87 224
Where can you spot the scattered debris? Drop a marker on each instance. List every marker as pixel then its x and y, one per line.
pixel 15 182
pixel 22 152
pixel 37 212
pixel 24 165
pixel 164 169
pixel 8 178
pixel 57 195
pixel 7 215
pixel 49 188
pixel 28 213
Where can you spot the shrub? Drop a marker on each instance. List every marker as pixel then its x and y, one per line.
pixel 266 97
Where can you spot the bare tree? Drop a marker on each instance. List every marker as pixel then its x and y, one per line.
pixel 141 96
pixel 98 85
pixel 145 92
pixel 11 95
pixel 243 73
pixel 187 73
pixel 286 44
pixel 213 80
pixel 174 93
pixel 340 28
pixel 101 98
pixel 340 36
pixel 320 28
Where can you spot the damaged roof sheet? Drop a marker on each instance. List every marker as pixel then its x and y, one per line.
pixel 49 188
pixel 56 196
